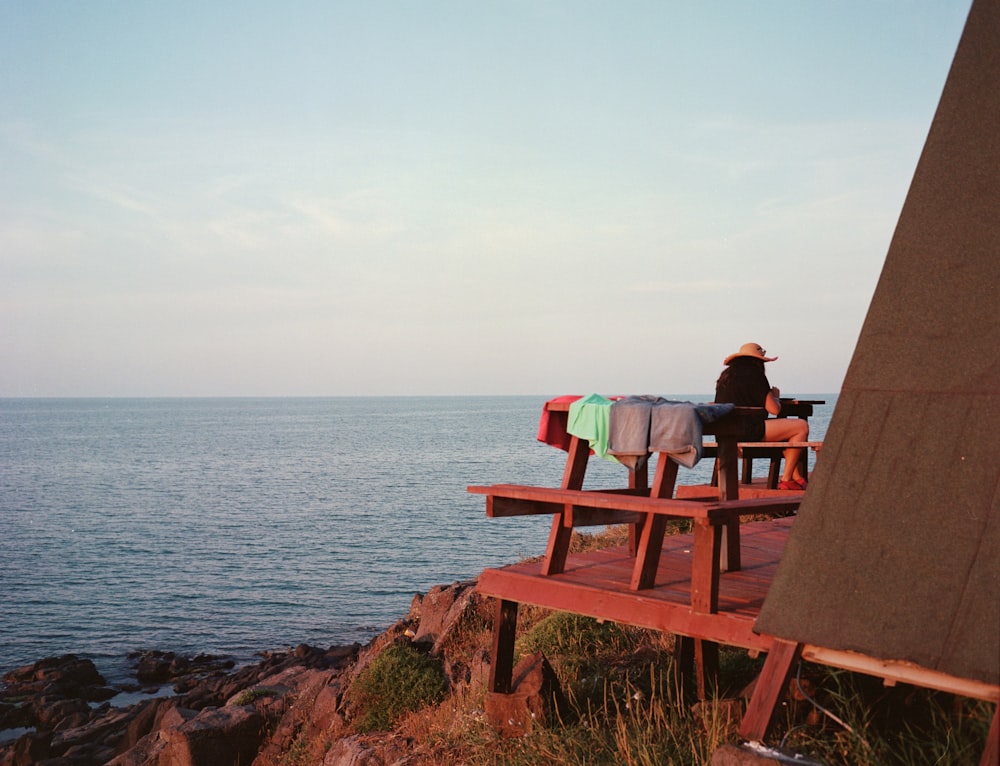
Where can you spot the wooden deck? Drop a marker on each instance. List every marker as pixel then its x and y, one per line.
pixel 596 584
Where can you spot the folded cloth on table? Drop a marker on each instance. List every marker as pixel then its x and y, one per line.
pixel 628 429
pixel 588 419
pixel 709 413
pixel 676 428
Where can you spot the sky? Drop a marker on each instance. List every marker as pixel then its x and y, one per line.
pixel 355 197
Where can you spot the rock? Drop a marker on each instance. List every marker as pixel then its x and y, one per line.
pixel 469 677
pixel 52 713
pixel 53 696
pixel 309 711
pixel 15 716
pixel 215 736
pixel 156 667
pixel 295 695
pixel 535 700
pixel 28 749
pixel 64 676
pixel 367 751
pixel 440 611
pixel 145 719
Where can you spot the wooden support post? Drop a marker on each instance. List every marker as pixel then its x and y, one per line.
pixel 705 567
pixel 774 473
pixel 647 555
pixel 637 479
pixel 576 464
pixel 696 668
pixel 770 686
pixel 684 666
pixel 732 560
pixel 558 548
pixel 504 627
pixel 729 471
pixel 991 753
pixel 706 667
pixel 665 477
pixel 729 489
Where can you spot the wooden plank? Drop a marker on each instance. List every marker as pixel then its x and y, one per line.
pixel 576 516
pixel 770 686
pixel 709 448
pixel 898 671
pixel 540 499
pixel 707 492
pixel 779 446
pixel 705 568
pixel 498 506
pixel 596 583
pixel 630 608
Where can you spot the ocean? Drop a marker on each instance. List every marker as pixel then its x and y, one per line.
pixel 233 526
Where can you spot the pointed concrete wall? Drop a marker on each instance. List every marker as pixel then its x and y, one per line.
pixel 896 550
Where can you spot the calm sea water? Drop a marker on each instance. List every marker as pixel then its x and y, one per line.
pixel 232 526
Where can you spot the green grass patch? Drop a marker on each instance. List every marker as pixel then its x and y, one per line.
pixel 398 681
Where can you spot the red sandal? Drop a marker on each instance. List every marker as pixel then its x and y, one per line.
pixel 793 484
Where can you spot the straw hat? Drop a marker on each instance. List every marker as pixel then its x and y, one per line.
pixel 752 350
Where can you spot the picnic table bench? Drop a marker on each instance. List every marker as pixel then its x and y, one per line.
pixel 772 451
pixel 647 509
pixel 576 508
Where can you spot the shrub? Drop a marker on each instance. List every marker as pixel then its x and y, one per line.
pixel 249 696
pixel 564 633
pixel 398 681
pixel 594 659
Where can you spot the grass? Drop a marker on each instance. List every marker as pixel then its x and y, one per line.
pixel 625 707
pixel 396 682
pixel 250 696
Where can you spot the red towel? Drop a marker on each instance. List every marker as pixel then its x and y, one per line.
pixel 552 425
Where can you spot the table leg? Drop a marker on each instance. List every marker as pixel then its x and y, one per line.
pixel 647 555
pixel 559 534
pixel 576 464
pixel 558 548
pixel 729 489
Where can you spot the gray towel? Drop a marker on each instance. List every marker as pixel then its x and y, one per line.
pixel 676 428
pixel 628 429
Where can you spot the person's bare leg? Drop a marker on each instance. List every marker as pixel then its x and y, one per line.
pixel 788 430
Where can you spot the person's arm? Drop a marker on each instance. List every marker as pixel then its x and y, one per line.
pixel 772 402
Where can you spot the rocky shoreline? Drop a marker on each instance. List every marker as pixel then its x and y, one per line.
pixel 60 708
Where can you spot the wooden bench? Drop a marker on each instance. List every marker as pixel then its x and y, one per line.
pixel 773 451
pixel 710 519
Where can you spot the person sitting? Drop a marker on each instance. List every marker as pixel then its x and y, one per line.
pixel 744 383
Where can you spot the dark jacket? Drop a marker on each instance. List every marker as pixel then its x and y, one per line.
pixel 745 384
